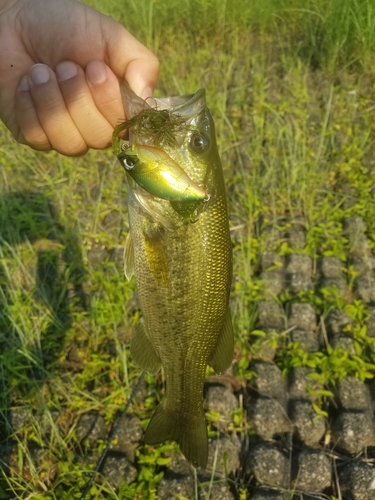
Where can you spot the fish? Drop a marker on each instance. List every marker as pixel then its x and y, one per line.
pixel 180 252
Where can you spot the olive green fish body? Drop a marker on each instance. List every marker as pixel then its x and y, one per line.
pixel 183 273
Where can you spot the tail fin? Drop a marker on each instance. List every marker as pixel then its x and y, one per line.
pixel 189 431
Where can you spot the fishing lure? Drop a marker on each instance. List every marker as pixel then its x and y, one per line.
pixel 155 171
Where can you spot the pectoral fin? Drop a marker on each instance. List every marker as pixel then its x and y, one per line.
pixel 129 258
pixel 222 355
pixel 143 352
pixel 156 255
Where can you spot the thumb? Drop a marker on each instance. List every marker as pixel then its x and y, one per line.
pixel 129 59
pixel 141 77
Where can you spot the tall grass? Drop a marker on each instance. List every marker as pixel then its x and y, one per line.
pixel 325 33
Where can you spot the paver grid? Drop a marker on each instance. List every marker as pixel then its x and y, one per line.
pixel 292 452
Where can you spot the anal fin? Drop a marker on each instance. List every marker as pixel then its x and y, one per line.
pixel 222 355
pixel 142 351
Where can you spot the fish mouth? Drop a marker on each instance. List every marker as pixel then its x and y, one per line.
pixel 186 106
pixel 159 122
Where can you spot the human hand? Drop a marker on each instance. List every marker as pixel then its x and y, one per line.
pixel 60 67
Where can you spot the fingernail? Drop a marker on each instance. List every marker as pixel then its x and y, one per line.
pixel 24 84
pixel 39 74
pixel 96 72
pixel 147 93
pixel 66 70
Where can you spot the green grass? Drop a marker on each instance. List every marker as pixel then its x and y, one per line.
pixel 323 34
pixel 291 90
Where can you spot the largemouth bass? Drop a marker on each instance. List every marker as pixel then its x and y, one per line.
pixel 180 253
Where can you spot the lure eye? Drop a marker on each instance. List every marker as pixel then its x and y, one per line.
pixel 199 143
pixel 128 162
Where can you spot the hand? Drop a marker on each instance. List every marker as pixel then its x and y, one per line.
pixel 60 67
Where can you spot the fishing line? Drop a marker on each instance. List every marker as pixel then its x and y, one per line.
pixel 112 435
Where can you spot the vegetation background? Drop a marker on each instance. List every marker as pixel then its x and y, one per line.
pixel 290 84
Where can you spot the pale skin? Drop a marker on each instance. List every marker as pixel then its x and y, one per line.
pixel 60 67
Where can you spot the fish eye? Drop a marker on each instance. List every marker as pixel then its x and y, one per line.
pixel 199 143
pixel 128 162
